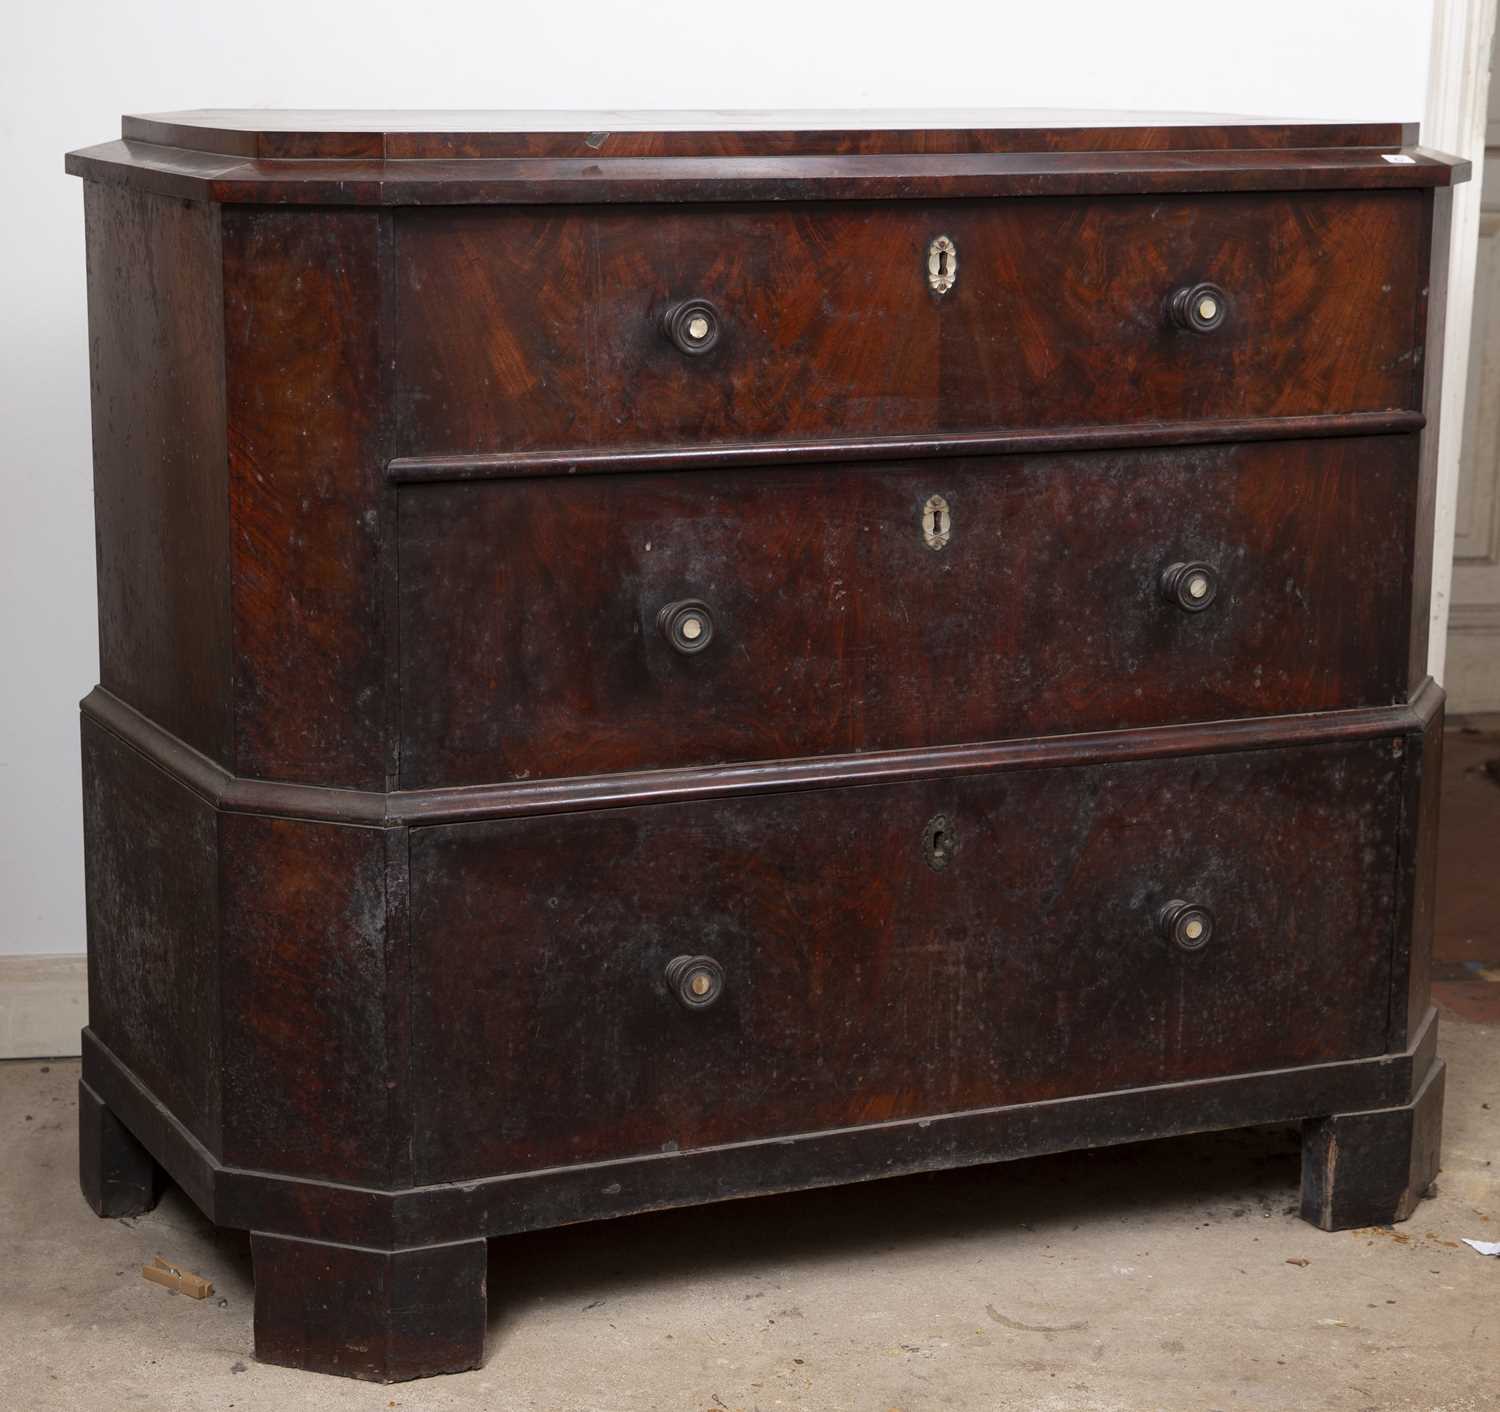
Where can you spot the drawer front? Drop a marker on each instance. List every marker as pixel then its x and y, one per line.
pixel 532 642
pixel 873 973
pixel 527 328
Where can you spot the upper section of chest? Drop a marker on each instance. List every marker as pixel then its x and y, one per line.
pixel 486 288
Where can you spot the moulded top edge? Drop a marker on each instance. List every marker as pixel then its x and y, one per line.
pixel 460 133
pixel 355 180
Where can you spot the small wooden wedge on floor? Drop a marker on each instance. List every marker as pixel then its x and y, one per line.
pixel 173 1277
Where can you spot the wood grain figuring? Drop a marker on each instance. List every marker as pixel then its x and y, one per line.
pixel 866 986
pixel 263 132
pixel 156 372
pixel 151 893
pixel 522 329
pixel 530 645
pixel 301 311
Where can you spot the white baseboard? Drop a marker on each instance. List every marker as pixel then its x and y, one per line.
pixel 44 1003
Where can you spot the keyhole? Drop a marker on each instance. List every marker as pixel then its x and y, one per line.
pixel 939 843
pixel 936 522
pixel 942 264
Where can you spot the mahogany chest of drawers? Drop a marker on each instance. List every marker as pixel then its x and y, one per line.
pixel 646 662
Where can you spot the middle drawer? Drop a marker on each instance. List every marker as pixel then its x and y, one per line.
pixel 556 626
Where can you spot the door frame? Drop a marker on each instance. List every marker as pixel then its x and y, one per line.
pixel 1458 84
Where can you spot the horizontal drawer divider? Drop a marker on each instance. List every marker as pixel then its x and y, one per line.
pixel 455 804
pixel 416 470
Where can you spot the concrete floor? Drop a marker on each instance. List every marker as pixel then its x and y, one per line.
pixel 1148 1277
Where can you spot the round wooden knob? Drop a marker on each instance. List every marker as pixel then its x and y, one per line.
pixel 1199 308
pixel 1191 586
pixel 1186 924
pixel 696 981
pixel 687 624
pixel 693 325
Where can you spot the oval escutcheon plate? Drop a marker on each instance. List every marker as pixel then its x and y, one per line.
pixel 942 264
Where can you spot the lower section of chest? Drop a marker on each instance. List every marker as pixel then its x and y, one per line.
pixel 461 1001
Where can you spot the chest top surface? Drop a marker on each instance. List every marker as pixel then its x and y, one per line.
pixel 373 157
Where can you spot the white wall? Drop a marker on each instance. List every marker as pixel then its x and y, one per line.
pixel 71 68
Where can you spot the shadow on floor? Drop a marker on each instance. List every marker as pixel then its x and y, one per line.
pixel 1243 1175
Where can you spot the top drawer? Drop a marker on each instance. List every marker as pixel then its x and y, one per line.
pixel 524 328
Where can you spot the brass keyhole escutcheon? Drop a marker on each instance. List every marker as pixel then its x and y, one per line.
pixel 942 264
pixel 937 522
pixel 939 841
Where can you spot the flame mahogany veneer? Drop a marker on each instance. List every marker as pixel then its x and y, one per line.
pixel 633 672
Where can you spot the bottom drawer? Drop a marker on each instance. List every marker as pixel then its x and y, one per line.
pixel 892 951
